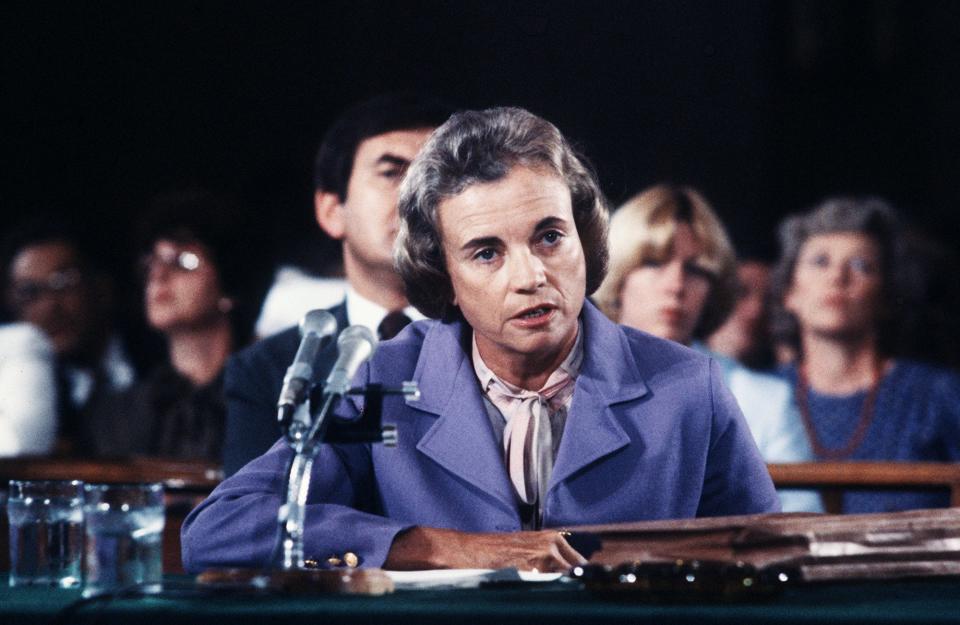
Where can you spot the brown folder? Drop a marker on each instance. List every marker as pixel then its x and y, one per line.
pixel 818 547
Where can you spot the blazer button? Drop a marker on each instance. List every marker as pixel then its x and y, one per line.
pixel 351 559
pixel 334 561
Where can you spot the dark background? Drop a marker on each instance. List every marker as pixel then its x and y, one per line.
pixel 767 106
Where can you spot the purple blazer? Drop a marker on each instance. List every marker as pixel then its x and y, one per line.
pixel 652 433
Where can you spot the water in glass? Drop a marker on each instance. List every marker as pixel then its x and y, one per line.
pixel 46 536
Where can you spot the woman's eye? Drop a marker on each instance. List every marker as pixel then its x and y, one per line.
pixel 552 237
pixel 696 271
pixel 486 254
pixel 862 265
pixel 819 260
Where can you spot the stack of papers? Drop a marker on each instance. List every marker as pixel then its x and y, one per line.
pixel 465 578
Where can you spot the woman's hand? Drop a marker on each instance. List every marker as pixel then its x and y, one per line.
pixel 433 548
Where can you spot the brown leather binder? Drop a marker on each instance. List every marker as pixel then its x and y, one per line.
pixel 818 547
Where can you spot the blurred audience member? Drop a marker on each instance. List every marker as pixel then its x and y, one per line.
pixel 745 335
pixel 672 274
pixel 931 302
pixel 837 299
pixel 358 168
pixel 28 407
pixel 55 283
pixel 195 297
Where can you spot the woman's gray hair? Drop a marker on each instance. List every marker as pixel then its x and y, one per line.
pixel 868 216
pixel 475 147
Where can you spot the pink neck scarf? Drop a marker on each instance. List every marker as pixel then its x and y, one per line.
pixel 528 441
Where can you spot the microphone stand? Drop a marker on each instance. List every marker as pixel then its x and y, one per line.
pixel 306 445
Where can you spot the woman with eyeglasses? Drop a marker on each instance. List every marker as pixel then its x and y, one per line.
pixel 191 298
pixel 836 302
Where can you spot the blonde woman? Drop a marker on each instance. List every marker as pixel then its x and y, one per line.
pixel 673 274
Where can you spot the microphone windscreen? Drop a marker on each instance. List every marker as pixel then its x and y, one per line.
pixel 319 322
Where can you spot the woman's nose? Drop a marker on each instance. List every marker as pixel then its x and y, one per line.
pixel 527 271
pixel 839 272
pixel 673 278
pixel 157 271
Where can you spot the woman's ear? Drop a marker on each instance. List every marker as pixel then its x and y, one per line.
pixel 328 211
pixel 789 301
pixel 225 304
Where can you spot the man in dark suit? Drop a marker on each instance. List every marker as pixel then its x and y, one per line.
pixel 57 280
pixel 359 166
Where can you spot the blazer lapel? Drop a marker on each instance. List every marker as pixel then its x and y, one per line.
pixel 461 440
pixel 609 376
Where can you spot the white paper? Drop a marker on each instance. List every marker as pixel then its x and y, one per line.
pixel 464 578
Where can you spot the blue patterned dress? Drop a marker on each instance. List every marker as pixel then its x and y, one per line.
pixel 916 418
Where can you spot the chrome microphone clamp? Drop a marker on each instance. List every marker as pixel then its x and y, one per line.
pixel 368 428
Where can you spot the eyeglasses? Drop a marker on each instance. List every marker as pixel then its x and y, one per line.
pixel 860 265
pixel 171 259
pixel 27 292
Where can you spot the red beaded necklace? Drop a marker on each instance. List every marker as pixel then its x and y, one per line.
pixel 866 417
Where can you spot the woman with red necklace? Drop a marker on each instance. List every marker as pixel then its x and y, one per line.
pixel 836 300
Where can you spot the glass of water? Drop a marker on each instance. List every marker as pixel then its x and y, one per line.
pixel 124 537
pixel 46 532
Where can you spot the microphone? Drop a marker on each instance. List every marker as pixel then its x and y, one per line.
pixel 356 345
pixel 317 328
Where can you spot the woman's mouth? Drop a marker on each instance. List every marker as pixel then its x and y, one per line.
pixel 535 312
pixel 834 301
pixel 671 315
pixel 533 317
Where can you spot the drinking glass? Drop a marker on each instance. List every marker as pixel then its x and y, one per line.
pixel 124 537
pixel 46 532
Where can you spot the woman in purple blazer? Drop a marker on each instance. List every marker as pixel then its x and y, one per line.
pixel 535 411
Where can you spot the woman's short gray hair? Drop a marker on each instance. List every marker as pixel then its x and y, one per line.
pixel 475 147
pixel 870 216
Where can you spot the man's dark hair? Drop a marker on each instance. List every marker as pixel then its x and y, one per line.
pixel 42 229
pixel 376 116
pixel 52 229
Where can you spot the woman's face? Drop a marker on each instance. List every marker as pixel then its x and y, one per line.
pixel 837 285
pixel 666 299
pixel 182 286
pixel 516 265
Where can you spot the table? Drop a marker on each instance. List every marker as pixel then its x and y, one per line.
pixel 911 601
pixel 186 484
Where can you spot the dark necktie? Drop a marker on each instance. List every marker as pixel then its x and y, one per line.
pixel 392 324
pixel 69 413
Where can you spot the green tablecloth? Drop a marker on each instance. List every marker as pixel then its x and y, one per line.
pixel 915 601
